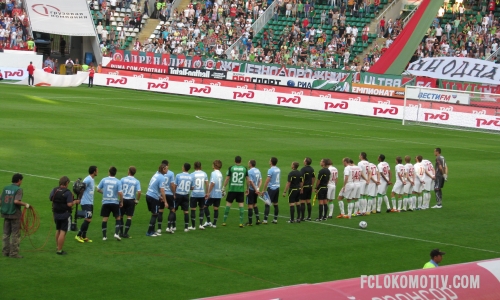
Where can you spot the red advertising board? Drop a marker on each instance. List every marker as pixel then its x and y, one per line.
pixel 282 89
pixel 343 96
pixel 226 83
pixel 177 78
pixel 125 73
pixel 138 67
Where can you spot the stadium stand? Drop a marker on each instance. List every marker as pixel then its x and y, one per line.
pixel 14 27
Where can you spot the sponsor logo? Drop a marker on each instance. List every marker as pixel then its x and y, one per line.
pixel 240 95
pixel 242 87
pixel 385 102
pixel 113 73
pixel 139 76
pixel 484 122
pixel 257 80
pixel 441 116
pixel 298 93
pixel 122 80
pixel 153 85
pixel 415 105
pixel 423 84
pixel 479 112
pixel 294 100
pixel 163 78
pixel 18 73
pixel 195 90
pixel 188 72
pixel 443 108
pixel 325 96
pixel 340 105
pixel 438 97
pixel 269 90
pixel 381 111
pixel 355 99
pixel 44 10
pixel 189 81
pixel 215 83
pixel 50 11
pixel 117 56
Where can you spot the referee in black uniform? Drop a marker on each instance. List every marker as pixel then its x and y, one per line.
pixel 293 187
pixel 322 190
pixel 308 178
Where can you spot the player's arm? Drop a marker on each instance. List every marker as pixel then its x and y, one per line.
pixel 99 188
pixel 390 177
pixel 313 179
pixel 302 178
pixel 205 187
pixel 268 179
pixel 286 188
pixel 210 188
pixel 383 177
pixel 346 178
pixel 163 197
pixel 336 179
pixel 225 182
pixel 138 194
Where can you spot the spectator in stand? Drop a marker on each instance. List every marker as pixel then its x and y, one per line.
pixel 99 29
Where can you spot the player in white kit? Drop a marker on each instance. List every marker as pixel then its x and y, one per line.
pixel 385 180
pixel 348 189
pixel 429 182
pixel 356 177
pixel 398 188
pixel 371 189
pixel 419 180
pixel 332 183
pixel 409 200
pixel 363 183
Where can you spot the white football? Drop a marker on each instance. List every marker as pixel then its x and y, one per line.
pixel 363 224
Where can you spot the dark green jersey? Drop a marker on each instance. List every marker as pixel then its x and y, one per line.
pixel 9 194
pixel 237 177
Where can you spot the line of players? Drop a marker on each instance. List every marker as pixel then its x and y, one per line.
pixel 364 189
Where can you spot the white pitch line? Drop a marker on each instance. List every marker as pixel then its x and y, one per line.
pixel 45 177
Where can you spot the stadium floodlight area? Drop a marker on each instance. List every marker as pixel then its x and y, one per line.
pixel 450 109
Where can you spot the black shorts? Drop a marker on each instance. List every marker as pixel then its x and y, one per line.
pixel 274 195
pixel 438 182
pixel 294 196
pixel 128 207
pixel 63 224
pixel 170 201
pixel 153 204
pixel 306 193
pixel 107 209
pixel 322 193
pixel 88 209
pixel 238 196
pixel 213 201
pixel 252 197
pixel 197 202
pixel 161 205
pixel 182 201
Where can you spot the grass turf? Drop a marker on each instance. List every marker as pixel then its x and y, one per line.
pixel 50 132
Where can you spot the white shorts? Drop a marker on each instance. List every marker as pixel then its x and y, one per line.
pixel 371 189
pixel 357 188
pixel 417 187
pixel 398 188
pixel 408 188
pixel 382 188
pixel 347 191
pixel 429 184
pixel 331 192
pixel 362 188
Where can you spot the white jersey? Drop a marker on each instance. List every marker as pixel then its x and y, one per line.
pixel 334 174
pixel 383 169
pixel 400 173
pixel 373 172
pixel 410 172
pixel 365 170
pixel 419 171
pixel 348 173
pixel 356 174
pixel 429 167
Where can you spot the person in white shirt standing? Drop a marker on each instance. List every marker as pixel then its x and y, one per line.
pixel 356 176
pixel 371 189
pixel 429 182
pixel 419 180
pixel 385 174
pixel 398 188
pixel 364 182
pixel 347 192
pixel 332 184
pixel 409 200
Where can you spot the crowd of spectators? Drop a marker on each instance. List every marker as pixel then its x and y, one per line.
pixel 14 25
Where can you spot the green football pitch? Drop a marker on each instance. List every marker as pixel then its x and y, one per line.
pixel 46 133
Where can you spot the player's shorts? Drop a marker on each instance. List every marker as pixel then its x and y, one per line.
pixel 88 210
pixel 398 188
pixel 238 196
pixel 362 188
pixel 213 201
pixel 274 195
pixel 439 182
pixel 63 224
pixel 408 188
pixel 107 209
pixel 197 202
pixel 128 207
pixel 322 193
pixel 252 197
pixel 306 193
pixel 181 201
pixel 161 205
pixel 347 191
pixel 294 195
pixel 170 201
pixel 355 192
pixel 428 185
pixel 330 194
pixel 153 204
pixel 371 189
pixel 382 188
pixel 417 187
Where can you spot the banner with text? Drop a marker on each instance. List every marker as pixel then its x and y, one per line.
pixel 376 90
pixel 437 95
pixel 13 73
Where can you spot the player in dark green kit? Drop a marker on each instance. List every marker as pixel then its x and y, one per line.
pixel 293 187
pixel 236 175
pixel 308 179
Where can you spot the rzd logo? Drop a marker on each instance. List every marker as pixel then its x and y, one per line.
pixel 442 116
pixel 18 73
pixel 380 111
pixel 484 122
pixel 122 80
pixel 153 85
pixel 294 100
pixel 341 105
pixel 242 87
pixel 195 90
pixel 240 95
pixel 43 9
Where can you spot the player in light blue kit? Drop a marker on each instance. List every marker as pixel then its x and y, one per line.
pixel 200 181
pixel 272 185
pixel 169 194
pixel 87 202
pixel 214 193
pixel 183 185
pixel 131 188
pixel 155 194
pixel 253 192
pixel 112 199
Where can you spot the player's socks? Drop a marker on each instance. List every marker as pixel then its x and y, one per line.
pixel 128 223
pixel 386 200
pixel 414 201
pixel 171 219
pixel 267 208
pixel 193 218
pixel 341 207
pixel 104 228
pixel 242 213
pixel 226 213
pixel 370 205
pixel 320 216
pixel 405 202
pixel 309 210
pixel 356 206
pixel 393 200
pixel 256 211
pixel 117 226
pixel 330 209
pixel 350 206
pixel 276 211
pixel 121 226
pixel 299 210
pixel 250 215
pixel 325 210
pixel 84 229
pixel 400 202
pixel 152 222
pixel 186 221
pixel 419 201
pixel 216 216
pixel 379 202
pixel 292 213
pixel 207 214
pixel 201 216
pixel 160 219
pixel 362 205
